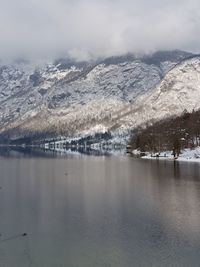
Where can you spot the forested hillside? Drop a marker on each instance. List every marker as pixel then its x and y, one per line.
pixel 174 133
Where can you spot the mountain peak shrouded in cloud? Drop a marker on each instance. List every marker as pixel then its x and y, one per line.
pixel 85 29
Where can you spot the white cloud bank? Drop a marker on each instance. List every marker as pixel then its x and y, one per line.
pixel 93 28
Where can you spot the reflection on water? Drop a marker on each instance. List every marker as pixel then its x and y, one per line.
pixel 20 151
pixel 98 211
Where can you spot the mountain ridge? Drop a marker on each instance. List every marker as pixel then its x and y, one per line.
pixel 50 99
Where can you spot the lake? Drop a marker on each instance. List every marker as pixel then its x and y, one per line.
pixel 96 211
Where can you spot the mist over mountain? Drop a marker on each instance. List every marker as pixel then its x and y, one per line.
pixel 91 29
pixel 85 66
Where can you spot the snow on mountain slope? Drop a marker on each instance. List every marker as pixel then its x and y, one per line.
pixel 178 91
pixel 76 98
pixel 23 89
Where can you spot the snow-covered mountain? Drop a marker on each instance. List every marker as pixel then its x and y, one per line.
pixel 69 98
pixel 179 91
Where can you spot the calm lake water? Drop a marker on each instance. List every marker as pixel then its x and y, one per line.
pixel 89 211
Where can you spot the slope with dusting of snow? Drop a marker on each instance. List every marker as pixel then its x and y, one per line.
pixel 116 93
pixel 178 91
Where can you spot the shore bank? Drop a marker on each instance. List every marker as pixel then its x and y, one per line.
pixel 187 155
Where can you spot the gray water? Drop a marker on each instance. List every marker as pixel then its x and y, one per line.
pixel 88 211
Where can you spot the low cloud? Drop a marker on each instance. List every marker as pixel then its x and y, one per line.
pixel 87 29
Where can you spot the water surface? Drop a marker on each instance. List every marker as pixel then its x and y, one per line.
pixel 89 211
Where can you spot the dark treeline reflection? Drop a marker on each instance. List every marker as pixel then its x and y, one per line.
pixel 176 170
pixel 20 151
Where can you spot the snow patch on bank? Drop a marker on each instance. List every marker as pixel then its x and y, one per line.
pixel 188 155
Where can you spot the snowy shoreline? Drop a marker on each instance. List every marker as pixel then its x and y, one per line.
pixel 187 155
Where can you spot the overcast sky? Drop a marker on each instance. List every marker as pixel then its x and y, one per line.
pixel 93 28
